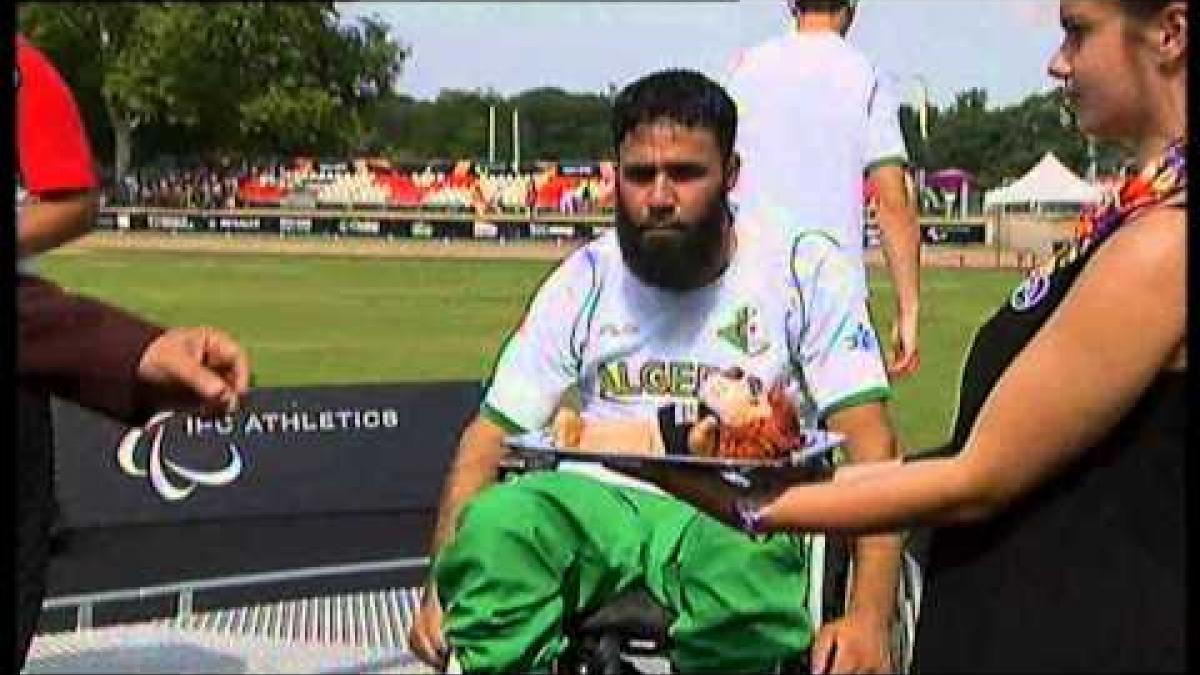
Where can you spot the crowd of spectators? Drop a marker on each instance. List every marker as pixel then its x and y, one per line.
pixel 372 184
pixel 200 187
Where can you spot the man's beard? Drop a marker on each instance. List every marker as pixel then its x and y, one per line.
pixel 673 254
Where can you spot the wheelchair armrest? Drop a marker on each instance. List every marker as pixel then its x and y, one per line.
pixel 526 462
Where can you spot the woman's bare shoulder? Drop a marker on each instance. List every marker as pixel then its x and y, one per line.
pixel 1156 236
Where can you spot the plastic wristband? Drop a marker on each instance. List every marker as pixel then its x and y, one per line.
pixel 749 515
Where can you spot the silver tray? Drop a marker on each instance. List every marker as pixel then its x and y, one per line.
pixel 813 461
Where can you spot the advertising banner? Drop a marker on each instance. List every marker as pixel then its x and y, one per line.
pixel 959 233
pixel 381 224
pixel 288 452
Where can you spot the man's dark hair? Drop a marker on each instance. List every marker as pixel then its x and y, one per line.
pixel 684 97
pixel 798 6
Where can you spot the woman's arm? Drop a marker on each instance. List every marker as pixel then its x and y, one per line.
pixel 1112 335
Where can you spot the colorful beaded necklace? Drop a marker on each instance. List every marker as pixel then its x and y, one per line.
pixel 1157 182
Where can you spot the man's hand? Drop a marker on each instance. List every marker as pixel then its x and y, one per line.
pixel 567 427
pixel 855 643
pixel 905 356
pixel 703 437
pixel 425 636
pixel 193 368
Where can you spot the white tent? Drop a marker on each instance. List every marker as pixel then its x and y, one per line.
pixel 1048 182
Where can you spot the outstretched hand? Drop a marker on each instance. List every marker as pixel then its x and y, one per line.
pixel 197 368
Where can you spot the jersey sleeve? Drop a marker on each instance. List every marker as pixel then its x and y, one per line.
pixel 885 139
pixel 830 334
pixel 52 145
pixel 543 356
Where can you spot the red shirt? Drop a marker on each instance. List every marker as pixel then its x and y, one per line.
pixel 53 152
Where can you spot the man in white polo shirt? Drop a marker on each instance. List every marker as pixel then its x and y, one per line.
pixel 815 115
pixel 634 320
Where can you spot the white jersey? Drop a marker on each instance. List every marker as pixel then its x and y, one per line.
pixel 813 116
pixel 783 310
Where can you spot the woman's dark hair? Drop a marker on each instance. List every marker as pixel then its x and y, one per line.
pixel 1141 10
pixel 684 97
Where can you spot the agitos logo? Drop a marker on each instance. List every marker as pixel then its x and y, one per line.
pixel 171 480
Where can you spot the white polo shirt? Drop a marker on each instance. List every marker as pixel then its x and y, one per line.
pixel 786 308
pixel 813 115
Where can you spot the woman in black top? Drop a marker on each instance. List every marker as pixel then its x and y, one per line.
pixel 1060 503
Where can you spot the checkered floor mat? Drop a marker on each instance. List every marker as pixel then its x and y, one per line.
pixel 354 633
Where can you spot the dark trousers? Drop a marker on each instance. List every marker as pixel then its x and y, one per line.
pixel 35 511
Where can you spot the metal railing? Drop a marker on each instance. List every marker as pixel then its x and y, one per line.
pixel 185 591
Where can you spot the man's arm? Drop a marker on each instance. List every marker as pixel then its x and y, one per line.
pixel 839 356
pixel 111 361
pixel 869 438
pixel 899 228
pixel 80 349
pixel 480 449
pixel 54 157
pixel 859 640
pixel 55 219
pixel 536 365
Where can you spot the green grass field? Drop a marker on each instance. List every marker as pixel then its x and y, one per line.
pixel 310 320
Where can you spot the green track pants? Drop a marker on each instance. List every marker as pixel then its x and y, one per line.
pixel 531 552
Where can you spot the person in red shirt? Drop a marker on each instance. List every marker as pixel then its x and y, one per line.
pixel 78 348
pixel 54 159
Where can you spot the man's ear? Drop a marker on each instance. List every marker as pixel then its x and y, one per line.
pixel 1172 34
pixel 732 168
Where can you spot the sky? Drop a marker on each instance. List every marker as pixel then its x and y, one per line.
pixel 582 46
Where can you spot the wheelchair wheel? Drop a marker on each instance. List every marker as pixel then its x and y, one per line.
pixel 908 608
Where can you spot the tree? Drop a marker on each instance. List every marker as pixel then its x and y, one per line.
pixel 223 77
pixel 559 125
pixel 1003 143
pixel 910 128
pixel 554 124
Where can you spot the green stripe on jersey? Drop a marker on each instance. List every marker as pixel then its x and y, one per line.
pixel 874 394
pixel 890 160
pixel 500 419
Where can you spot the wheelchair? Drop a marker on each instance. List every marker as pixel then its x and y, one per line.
pixel 629 633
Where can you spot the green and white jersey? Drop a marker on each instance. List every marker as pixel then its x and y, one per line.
pixel 786 308
pixel 813 115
